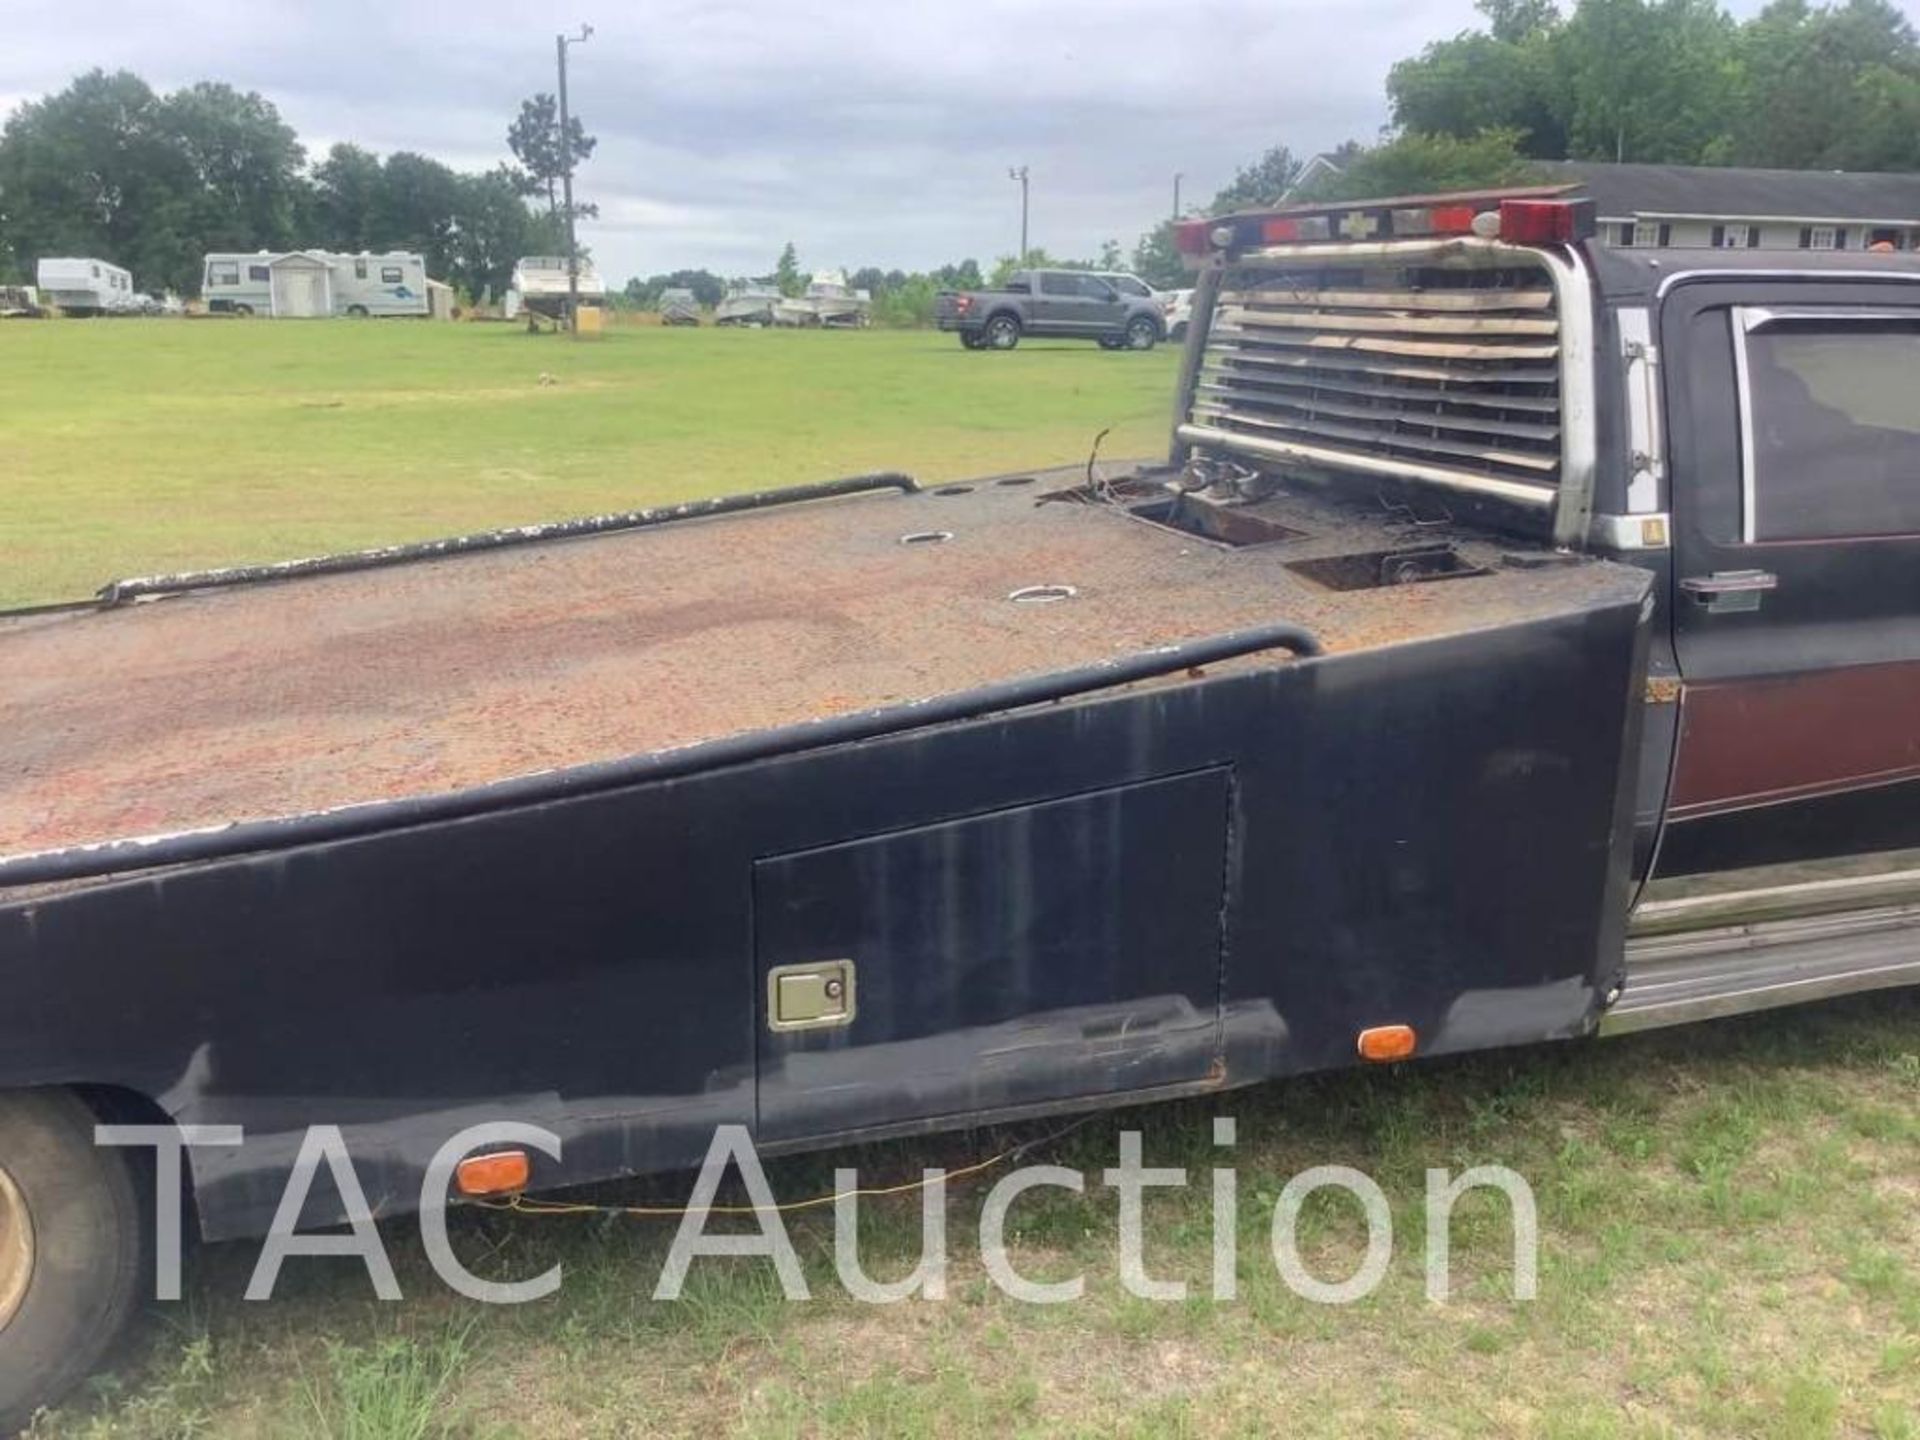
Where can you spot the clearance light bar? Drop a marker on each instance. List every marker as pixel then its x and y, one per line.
pixel 1526 218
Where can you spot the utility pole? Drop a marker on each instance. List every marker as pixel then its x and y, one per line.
pixel 1020 174
pixel 1177 178
pixel 560 44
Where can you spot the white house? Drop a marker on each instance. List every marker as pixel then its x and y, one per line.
pixel 1714 207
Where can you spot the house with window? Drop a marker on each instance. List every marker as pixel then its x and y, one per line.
pixel 1713 207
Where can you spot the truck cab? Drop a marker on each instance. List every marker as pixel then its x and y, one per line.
pixel 1742 426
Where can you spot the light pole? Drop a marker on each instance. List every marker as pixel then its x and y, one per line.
pixel 1020 174
pixel 1177 178
pixel 560 44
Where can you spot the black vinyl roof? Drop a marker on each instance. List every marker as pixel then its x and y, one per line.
pixel 1714 192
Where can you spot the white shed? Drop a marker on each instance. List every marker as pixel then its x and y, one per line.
pixel 302 285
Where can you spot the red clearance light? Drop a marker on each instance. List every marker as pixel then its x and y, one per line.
pixel 1543 222
pixel 1190 237
pixel 1281 230
pixel 1439 220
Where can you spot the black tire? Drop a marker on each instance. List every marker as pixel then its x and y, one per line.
pixel 1111 342
pixel 243 310
pixel 1142 333
pixel 1177 333
pixel 85 1265
pixel 973 340
pixel 1003 332
pixel 356 312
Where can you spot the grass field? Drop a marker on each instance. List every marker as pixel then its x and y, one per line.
pixel 1730 1214
pixel 136 446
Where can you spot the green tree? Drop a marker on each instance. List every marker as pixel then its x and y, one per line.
pixel 534 139
pixel 1156 261
pixel 244 163
pixel 348 195
pixel 1506 79
pixel 1422 165
pixel 1261 184
pixel 1820 88
pixel 786 273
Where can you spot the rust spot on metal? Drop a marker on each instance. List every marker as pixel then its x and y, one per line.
pixel 1663 689
pixel 258 702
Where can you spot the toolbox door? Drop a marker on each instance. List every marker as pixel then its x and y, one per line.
pixel 1070 947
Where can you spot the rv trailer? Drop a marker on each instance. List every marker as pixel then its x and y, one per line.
pixel 302 284
pixel 84 286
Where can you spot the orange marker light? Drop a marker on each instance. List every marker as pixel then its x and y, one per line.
pixel 504 1172
pixel 1383 1043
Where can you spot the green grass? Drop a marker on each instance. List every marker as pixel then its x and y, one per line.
pixel 138 446
pixel 1730 1223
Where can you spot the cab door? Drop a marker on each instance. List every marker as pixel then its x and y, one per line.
pixel 1796 497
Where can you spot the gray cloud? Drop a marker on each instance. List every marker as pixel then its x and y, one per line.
pixel 867 133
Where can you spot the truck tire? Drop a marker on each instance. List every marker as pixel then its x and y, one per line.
pixel 243 310
pixel 72 1250
pixel 973 340
pixel 1142 333
pixel 357 312
pixel 1003 332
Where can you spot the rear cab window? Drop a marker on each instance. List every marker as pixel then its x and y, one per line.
pixel 1830 426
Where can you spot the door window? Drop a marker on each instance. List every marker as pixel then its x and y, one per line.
pixel 1059 284
pixel 1831 427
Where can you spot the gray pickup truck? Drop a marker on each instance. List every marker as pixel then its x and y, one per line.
pixel 1074 304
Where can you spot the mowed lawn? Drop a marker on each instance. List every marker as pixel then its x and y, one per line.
pixel 136 446
pixel 1730 1215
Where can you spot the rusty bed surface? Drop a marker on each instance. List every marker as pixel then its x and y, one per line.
pixel 263 701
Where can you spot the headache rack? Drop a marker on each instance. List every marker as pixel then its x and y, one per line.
pixel 1464 365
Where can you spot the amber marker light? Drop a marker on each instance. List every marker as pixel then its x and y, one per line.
pixel 1384 1043
pixel 503 1172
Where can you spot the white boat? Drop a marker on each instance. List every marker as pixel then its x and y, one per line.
pixel 748 302
pixel 835 303
pixel 540 285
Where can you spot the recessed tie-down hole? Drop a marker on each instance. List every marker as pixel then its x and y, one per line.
pixel 1042 594
pixel 954 490
pixel 1214 522
pixel 1377 569
pixel 927 537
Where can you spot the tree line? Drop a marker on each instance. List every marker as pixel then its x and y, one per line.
pixel 111 167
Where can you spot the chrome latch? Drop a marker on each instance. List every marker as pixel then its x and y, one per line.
pixel 810 997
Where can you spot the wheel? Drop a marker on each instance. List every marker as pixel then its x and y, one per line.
pixel 1142 333
pixel 1178 332
pixel 357 312
pixel 243 310
pixel 72 1250
pixel 1108 342
pixel 973 340
pixel 1003 332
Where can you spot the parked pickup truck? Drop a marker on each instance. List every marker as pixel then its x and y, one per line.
pixel 1076 304
pixel 1519 643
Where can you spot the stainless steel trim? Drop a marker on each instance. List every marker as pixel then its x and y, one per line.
pixel 1699 975
pixel 1776 902
pixel 1743 389
pixel 1538 497
pixel 1646 440
pixel 1680 277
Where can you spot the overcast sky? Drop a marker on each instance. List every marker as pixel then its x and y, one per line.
pixel 865 132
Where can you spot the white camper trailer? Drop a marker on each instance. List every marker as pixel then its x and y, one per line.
pixel 307 283
pixel 85 286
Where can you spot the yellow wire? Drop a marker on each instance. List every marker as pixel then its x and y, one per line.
pixel 522 1205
